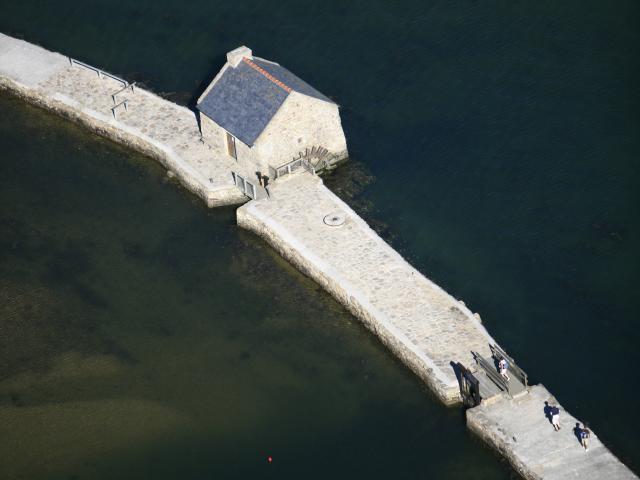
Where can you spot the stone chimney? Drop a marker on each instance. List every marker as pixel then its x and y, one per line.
pixel 234 57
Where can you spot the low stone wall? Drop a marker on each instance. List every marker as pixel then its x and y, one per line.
pixel 68 108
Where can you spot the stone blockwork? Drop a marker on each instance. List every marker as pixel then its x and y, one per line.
pixel 520 431
pixel 422 324
pixel 301 123
pixel 149 124
pixel 274 116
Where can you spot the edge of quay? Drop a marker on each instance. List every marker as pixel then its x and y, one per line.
pixel 306 262
pixel 513 427
pixel 518 430
pixel 285 243
pixel 104 126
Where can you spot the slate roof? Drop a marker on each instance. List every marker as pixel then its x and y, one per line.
pixel 245 98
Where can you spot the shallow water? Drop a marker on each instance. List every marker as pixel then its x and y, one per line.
pixel 144 336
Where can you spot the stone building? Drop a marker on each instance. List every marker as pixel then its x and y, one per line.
pixel 265 117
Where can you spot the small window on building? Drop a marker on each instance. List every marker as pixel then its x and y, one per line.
pixel 231 145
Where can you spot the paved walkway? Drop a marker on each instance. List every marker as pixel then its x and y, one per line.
pixel 519 429
pixel 423 324
pixel 151 123
pixel 28 64
pixel 165 122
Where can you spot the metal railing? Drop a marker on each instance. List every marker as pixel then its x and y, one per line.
pixel 248 188
pixel 126 87
pixel 289 167
pixel 513 367
pixel 122 103
pixel 101 73
pixel 492 373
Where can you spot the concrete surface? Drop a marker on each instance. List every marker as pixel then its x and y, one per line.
pixel 150 124
pixel 423 325
pixel 519 430
pixel 28 64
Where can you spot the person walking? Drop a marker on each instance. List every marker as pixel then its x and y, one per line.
pixel 502 367
pixel 585 435
pixel 555 417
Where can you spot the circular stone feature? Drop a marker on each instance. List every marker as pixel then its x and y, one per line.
pixel 334 219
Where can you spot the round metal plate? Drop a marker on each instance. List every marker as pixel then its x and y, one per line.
pixel 334 219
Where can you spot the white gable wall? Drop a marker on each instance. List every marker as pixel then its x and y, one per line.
pixel 301 122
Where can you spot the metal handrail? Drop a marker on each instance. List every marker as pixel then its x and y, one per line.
pixel 113 109
pixel 250 189
pixel 513 366
pixel 289 166
pixel 308 167
pixel 491 372
pixel 130 85
pixel 98 71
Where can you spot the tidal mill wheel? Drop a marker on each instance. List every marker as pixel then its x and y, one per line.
pixel 317 157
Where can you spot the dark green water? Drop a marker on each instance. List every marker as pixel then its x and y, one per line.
pixel 144 336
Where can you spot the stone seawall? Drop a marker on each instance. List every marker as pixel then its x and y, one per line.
pixel 419 322
pixel 68 108
pixel 306 262
pixel 424 326
pixel 48 80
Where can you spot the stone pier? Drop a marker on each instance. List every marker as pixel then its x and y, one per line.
pixel 420 323
pixel 156 127
pixel 521 432
pixel 424 326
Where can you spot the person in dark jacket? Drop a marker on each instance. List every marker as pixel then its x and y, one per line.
pixel 585 435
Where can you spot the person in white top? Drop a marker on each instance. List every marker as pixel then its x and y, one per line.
pixel 502 367
pixel 555 417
